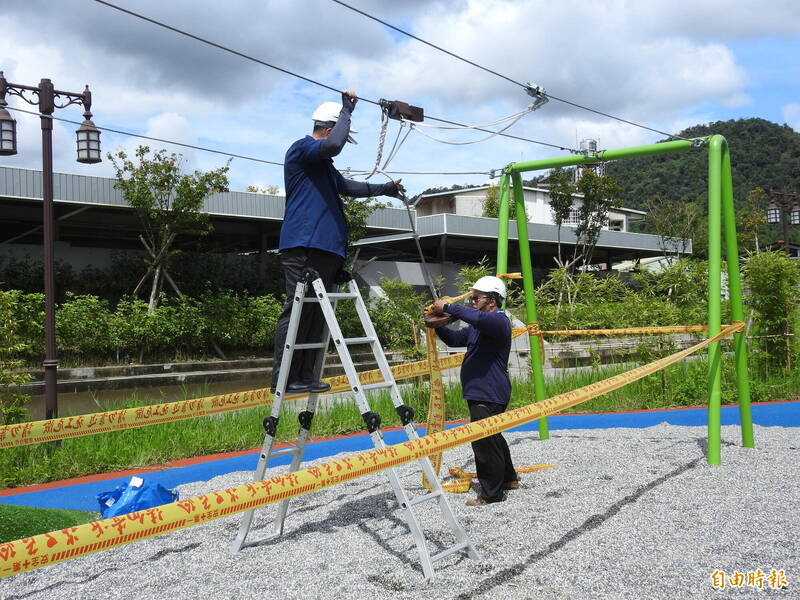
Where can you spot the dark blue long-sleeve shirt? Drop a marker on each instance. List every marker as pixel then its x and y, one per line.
pixel 314 215
pixel 484 372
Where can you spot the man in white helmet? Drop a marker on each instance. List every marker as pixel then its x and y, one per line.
pixel 484 377
pixel 314 230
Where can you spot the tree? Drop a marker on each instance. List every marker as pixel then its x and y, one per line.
pixel 560 198
pixel 271 190
pixel 600 192
pixel 491 203
pixel 676 222
pixel 356 213
pixel 167 201
pixel 750 218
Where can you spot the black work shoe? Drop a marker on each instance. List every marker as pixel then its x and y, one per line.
pixel 317 387
pixel 298 387
pixel 306 385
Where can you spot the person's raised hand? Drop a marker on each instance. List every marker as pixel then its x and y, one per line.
pixel 400 190
pixel 349 99
pixel 437 308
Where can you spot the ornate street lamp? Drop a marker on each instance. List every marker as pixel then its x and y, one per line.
pixel 8 126
pixel 794 215
pixel 88 134
pixel 773 214
pixel 783 215
pixel 47 98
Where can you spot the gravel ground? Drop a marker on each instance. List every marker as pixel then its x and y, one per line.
pixel 627 513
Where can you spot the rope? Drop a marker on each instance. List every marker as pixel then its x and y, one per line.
pixel 381 141
pixel 488 137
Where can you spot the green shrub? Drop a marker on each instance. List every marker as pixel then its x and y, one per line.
pixel 774 283
pixel 11 346
pixel 83 327
pixel 129 327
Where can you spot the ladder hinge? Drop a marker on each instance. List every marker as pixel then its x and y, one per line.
pixel 406 414
pixel 271 425
pixel 372 420
pixel 305 419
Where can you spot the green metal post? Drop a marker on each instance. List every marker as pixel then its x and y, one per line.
pixel 530 298
pixel 735 294
pixel 714 294
pixel 502 226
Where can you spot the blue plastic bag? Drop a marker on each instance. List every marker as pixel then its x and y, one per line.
pixel 137 494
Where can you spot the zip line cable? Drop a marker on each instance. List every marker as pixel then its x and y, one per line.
pixel 223 153
pixel 304 78
pixel 522 85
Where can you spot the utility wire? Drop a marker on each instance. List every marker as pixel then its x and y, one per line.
pixel 522 85
pixel 147 137
pixel 304 78
pixel 223 153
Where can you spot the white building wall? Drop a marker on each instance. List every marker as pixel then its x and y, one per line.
pixel 470 204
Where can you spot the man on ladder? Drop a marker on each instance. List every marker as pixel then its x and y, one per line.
pixel 484 377
pixel 314 230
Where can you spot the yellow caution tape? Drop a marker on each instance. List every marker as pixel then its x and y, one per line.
pixel 464 478
pixel 49 430
pixel 460 486
pixel 127 418
pixel 57 546
pixel 460 473
pixel 624 331
pixel 533 468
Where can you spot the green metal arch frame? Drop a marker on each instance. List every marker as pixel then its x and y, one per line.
pixel 721 216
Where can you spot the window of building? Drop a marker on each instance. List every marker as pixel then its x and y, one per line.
pixel 616 225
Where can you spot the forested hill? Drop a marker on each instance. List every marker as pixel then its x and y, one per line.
pixel 763 154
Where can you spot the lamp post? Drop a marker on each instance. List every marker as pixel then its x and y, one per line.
pixel 47 98
pixel 783 214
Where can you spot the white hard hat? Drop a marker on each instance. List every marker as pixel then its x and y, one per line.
pixel 328 112
pixel 490 284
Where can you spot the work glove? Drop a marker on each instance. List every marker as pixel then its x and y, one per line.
pixel 436 321
pixel 395 189
pixel 349 99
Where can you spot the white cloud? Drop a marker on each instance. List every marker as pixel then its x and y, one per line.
pixel 791 115
pixel 667 65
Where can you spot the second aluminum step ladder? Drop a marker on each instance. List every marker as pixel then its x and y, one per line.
pixel 327 302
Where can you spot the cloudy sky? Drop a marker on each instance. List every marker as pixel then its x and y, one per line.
pixel 665 64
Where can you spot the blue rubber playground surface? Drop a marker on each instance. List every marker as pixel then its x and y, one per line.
pixel 79 495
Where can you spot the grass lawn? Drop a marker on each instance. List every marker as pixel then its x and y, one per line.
pixel 18 522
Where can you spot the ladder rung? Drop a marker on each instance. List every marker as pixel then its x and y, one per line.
pixel 377 386
pixel 430 496
pixel 450 550
pixel 283 452
pixel 360 340
pixel 313 346
pixel 336 296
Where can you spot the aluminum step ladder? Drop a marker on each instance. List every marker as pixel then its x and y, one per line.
pixel 372 420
